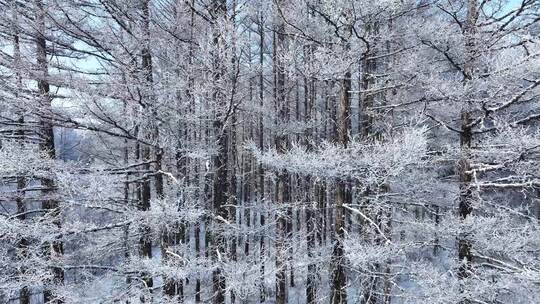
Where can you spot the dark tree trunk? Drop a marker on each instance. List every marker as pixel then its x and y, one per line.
pixel 220 162
pixel 339 279
pixel 282 145
pixel 312 212
pixel 367 81
pixel 145 243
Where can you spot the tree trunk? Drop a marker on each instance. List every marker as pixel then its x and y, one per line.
pixel 311 209
pixel 282 144
pixel 339 279
pixel 465 207
pixel 24 293
pixel 56 249
pixel 367 80
pixel 220 162
pixel 260 169
pixel 145 243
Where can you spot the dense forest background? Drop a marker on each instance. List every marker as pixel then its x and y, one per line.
pixel 270 151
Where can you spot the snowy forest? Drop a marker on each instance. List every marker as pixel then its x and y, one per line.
pixel 270 151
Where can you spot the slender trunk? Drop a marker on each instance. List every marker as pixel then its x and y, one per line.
pixel 232 166
pixel 282 144
pixel 246 164
pixel 145 243
pixel 217 245
pixel 465 207
pixel 339 279
pixel 232 195
pixel 56 249
pixel 24 293
pixel 194 136
pixel 126 201
pixel 366 82
pixel 260 169
pixel 311 209
pixel 311 288
pixel 247 184
pixel 312 277
pixel 220 160
pixel 367 97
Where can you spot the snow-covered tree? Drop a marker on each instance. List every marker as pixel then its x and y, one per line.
pixel 303 151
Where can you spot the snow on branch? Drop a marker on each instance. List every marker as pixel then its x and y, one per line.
pixel 361 160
